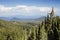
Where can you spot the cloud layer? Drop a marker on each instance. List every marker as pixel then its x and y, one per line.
pixel 25 10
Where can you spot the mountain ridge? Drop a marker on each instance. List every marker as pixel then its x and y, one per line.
pixel 22 19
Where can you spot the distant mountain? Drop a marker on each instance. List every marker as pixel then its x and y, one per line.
pixel 41 18
pixel 22 19
pixel 5 18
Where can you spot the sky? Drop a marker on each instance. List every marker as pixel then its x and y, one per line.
pixel 28 8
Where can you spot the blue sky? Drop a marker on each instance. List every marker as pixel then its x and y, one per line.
pixel 31 2
pixel 32 8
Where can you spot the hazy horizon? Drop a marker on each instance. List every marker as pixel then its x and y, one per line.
pixel 28 8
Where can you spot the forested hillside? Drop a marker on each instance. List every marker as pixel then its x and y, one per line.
pixel 48 29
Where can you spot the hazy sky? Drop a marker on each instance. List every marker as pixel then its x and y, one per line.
pixel 32 8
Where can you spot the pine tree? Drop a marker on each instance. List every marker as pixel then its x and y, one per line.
pixel 38 35
pixel 43 33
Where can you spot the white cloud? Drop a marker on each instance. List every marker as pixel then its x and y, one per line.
pixel 25 10
pixel 5 9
